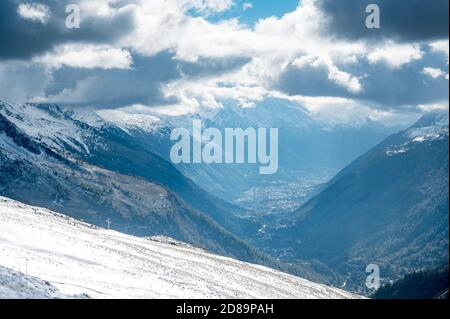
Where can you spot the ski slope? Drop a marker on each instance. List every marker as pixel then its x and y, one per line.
pixel 79 259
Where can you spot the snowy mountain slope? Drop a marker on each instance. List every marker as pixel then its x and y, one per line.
pixel 49 124
pixel 79 258
pixel 16 285
pixel 67 134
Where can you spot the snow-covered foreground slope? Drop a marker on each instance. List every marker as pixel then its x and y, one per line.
pixel 16 285
pixel 78 258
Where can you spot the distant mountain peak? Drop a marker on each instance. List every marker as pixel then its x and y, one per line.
pixel 435 118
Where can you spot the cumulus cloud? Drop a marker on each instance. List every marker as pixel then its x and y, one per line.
pixel 171 54
pixel 383 86
pixel 23 38
pixel 210 5
pixel 87 56
pixel 105 88
pixel 144 82
pixel 395 55
pixel 440 46
pixel 34 12
pixel 435 73
pixel 315 76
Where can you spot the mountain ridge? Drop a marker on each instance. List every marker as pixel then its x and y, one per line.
pixel 96 192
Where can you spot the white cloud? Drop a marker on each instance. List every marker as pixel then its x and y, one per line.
pixel 83 56
pixel 440 46
pixel 34 12
pixel 336 111
pixel 246 6
pixel 344 79
pixel 341 78
pixel 395 55
pixel 272 45
pixel 165 25
pixel 435 73
pixel 434 106
pixel 211 5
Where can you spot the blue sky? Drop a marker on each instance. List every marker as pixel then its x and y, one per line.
pixel 259 10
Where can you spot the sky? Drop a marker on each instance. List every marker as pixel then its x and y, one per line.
pixel 186 56
pixel 249 12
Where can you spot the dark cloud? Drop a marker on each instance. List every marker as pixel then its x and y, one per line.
pixel 114 88
pixel 411 20
pixel 140 85
pixel 309 81
pixel 22 38
pixel 21 81
pixel 382 85
pixel 406 85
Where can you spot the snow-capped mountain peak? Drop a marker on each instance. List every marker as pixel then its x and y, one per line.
pixel 430 127
pixel 49 124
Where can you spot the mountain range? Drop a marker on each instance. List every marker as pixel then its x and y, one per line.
pixel 310 152
pixel 344 197
pixel 50 159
